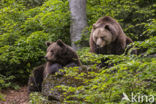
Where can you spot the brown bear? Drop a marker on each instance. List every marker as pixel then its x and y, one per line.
pixel 59 55
pixel 107 37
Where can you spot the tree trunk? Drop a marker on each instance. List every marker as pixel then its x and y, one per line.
pixel 78 20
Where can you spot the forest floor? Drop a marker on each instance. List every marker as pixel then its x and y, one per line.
pixel 19 96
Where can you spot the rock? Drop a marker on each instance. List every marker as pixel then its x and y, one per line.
pixel 48 87
pixel 53 93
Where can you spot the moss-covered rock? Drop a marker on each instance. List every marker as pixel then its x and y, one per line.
pixel 51 87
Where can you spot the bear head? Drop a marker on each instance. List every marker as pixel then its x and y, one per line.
pixel 103 34
pixel 107 37
pixel 59 52
pixel 55 50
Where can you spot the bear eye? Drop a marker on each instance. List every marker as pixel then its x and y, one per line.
pixel 103 38
pixel 52 51
pixel 95 38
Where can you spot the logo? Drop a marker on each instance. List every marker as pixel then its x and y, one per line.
pixel 138 98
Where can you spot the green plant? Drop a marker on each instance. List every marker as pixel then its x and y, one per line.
pixel 24 29
pixel 2 97
pixel 36 98
pixel 5 81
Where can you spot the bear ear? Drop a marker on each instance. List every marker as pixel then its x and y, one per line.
pixel 94 26
pixel 111 29
pixel 60 43
pixel 107 27
pixel 48 43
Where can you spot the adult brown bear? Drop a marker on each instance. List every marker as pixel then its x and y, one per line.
pixel 107 37
pixel 59 55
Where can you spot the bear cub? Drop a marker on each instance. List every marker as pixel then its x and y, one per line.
pixel 58 56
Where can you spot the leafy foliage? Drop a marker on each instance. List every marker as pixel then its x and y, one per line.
pixel 23 32
pixel 26 24
pixel 36 98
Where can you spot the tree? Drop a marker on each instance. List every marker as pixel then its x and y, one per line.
pixel 78 20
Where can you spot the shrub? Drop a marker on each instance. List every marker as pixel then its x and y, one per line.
pixel 23 32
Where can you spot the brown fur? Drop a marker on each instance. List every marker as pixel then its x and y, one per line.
pixel 59 52
pixel 59 55
pixel 35 79
pixel 118 41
